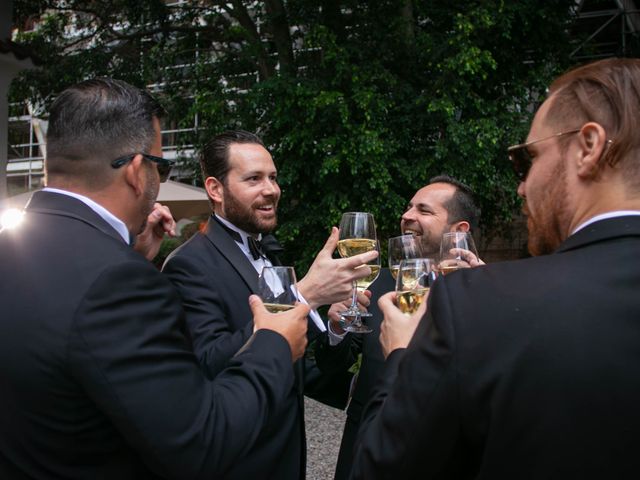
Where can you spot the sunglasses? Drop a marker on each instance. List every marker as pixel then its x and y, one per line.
pixel 164 165
pixel 521 158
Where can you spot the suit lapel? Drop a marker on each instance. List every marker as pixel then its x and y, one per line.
pixel 229 249
pixel 50 203
pixel 628 226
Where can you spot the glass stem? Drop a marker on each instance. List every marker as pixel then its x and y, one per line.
pixel 354 297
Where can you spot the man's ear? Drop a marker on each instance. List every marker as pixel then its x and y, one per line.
pixel 214 189
pixel 135 174
pixel 462 226
pixel 593 144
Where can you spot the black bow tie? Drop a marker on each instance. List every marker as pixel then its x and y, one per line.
pixel 256 248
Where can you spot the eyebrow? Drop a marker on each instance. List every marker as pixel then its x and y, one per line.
pixel 421 205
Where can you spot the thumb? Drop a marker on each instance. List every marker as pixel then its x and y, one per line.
pixel 332 242
pixel 387 301
pixel 257 307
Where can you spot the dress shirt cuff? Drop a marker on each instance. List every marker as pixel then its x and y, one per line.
pixel 334 338
pixel 313 314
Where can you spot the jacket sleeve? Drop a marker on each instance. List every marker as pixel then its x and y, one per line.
pixel 127 351
pixel 207 315
pixel 411 426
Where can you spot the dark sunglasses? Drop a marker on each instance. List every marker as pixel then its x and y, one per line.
pixel 164 165
pixel 520 155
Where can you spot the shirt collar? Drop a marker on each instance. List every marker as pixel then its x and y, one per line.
pixel 605 216
pixel 241 232
pixel 105 214
pixel 258 264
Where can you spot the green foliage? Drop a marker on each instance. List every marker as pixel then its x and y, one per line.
pixel 385 94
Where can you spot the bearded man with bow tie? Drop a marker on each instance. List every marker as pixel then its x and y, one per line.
pixel 217 270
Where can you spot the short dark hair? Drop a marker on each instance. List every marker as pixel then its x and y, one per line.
pixel 95 122
pixel 214 157
pixel 462 206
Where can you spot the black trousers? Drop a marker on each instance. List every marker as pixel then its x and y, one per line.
pixel 345 456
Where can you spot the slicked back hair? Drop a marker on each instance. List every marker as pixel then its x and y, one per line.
pixel 214 157
pixel 462 206
pixel 94 122
pixel 606 92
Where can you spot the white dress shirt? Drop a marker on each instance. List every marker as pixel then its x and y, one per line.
pixel 262 262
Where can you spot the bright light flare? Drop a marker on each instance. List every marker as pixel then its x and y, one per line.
pixel 11 218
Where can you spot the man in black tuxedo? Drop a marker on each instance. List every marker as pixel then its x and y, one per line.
pixel 443 205
pixel 98 377
pixel 527 369
pixel 215 271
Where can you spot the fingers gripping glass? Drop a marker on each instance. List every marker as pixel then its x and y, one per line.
pixel 520 155
pixel 164 165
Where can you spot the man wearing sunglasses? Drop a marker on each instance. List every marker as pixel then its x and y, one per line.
pixel 528 369
pixel 98 376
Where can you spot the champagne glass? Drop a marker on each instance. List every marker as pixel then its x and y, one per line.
pixel 277 288
pixel 401 248
pixel 457 250
pixel 358 235
pixel 415 277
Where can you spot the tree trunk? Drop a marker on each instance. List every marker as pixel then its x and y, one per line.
pixel 239 12
pixel 279 24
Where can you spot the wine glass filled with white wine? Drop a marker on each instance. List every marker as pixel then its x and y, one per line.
pixel 358 235
pixel 415 276
pixel 402 248
pixel 457 251
pixel 277 288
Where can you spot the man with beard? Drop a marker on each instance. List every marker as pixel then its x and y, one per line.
pixel 217 270
pixel 98 377
pixel 527 369
pixel 443 205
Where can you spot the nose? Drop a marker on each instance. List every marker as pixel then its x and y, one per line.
pixel 270 187
pixel 409 215
pixel 521 190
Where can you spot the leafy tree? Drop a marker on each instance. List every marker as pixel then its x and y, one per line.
pixel 360 102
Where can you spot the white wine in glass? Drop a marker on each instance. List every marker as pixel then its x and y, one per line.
pixel 401 248
pixel 457 250
pixel 415 276
pixel 358 235
pixel 277 288
pixel 374 265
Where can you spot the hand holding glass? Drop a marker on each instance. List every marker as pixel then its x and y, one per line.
pixel 402 248
pixel 277 288
pixel 358 235
pixel 415 276
pixel 457 251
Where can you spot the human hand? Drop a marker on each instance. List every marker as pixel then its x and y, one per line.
pixel 330 280
pixel 292 324
pixel 336 320
pixel 467 256
pixel 397 329
pixel 159 222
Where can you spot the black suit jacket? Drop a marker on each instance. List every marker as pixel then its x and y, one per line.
pixel 97 377
pixel 524 369
pixel 371 367
pixel 215 279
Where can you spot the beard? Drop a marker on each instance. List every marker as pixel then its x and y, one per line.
pixel 547 226
pixel 245 217
pixel 149 197
pixel 430 243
